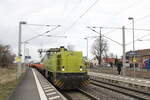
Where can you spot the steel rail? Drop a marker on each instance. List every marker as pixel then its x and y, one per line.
pixel 124 90
pixel 70 94
pixel 88 94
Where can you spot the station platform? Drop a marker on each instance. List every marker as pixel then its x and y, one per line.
pixel 33 86
pixel 129 82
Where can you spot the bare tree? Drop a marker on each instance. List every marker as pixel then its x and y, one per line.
pixel 6 57
pixel 100 49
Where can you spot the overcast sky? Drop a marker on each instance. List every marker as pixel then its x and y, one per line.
pixel 74 18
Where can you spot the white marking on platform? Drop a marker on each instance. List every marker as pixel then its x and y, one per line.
pixel 45 88
pixel 49 90
pixel 40 90
pixel 132 79
pixel 48 94
pixel 45 85
pixel 147 82
pixel 120 77
pixel 126 78
pixel 111 76
pixel 139 80
pixel 102 75
pixel 43 81
pixel 55 97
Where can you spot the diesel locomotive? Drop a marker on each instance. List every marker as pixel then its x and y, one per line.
pixel 65 69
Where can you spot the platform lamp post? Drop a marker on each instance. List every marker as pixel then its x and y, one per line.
pixel 131 18
pixel 86 47
pixel 19 67
pixel 24 55
pixel 25 50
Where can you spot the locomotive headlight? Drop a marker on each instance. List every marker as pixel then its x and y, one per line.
pixel 81 68
pixel 63 69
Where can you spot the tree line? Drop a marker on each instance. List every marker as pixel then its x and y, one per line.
pixel 6 56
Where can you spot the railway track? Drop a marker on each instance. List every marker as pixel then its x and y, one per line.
pixel 104 94
pixel 137 94
pixel 100 90
pixel 77 95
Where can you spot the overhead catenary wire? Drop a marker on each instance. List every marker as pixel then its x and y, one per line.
pixel 42 33
pixel 129 7
pixel 136 20
pixel 81 16
pixel 74 8
pixel 33 31
pixel 40 25
pixel 106 37
pixel 139 38
pixel 112 40
pixel 142 18
pixel 89 8
pixel 137 35
pixel 65 5
pixel 120 28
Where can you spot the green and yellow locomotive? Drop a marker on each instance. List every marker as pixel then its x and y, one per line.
pixel 65 69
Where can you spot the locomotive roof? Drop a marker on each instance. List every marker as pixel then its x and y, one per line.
pixel 55 49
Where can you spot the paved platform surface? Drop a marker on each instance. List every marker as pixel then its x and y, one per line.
pixel 26 89
pixel 35 86
pixel 137 81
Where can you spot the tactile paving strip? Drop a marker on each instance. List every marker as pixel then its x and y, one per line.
pixel 51 92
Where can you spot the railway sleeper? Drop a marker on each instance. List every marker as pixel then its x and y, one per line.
pixel 123 84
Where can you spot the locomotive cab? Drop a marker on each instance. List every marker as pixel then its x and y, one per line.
pixel 66 69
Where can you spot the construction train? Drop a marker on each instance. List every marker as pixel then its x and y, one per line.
pixel 64 69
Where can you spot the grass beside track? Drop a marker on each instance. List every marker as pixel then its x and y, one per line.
pixel 6 89
pixel 7 81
